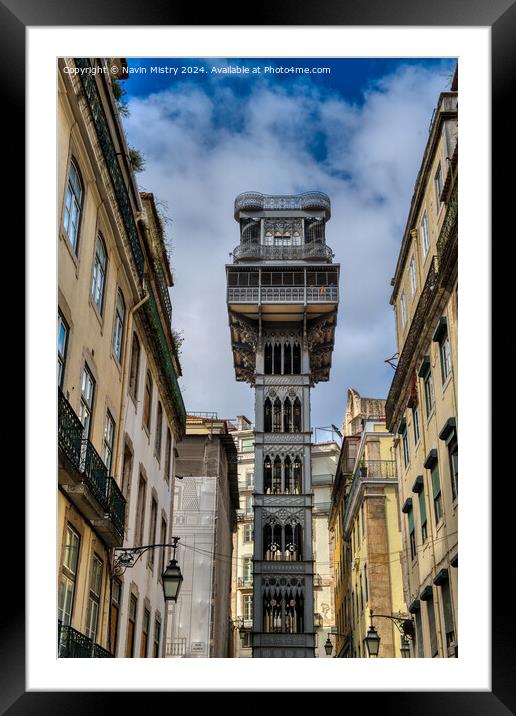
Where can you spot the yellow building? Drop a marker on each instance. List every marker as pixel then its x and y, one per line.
pixel 421 406
pixel 364 520
pixel 110 286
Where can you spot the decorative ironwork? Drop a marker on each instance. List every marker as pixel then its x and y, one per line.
pixel 163 288
pixel 282 253
pixel 447 241
pixel 309 200
pixel 70 431
pixel 414 335
pixel 116 505
pixel 125 557
pixel 72 644
pixel 176 647
pixel 100 122
pixel 95 474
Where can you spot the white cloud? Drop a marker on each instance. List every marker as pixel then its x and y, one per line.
pixel 203 148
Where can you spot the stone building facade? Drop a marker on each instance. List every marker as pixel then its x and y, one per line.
pixel 422 405
pixel 108 284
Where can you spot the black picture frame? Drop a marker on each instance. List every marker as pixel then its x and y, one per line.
pixel 500 16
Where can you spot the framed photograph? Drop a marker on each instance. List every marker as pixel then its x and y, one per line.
pixel 200 164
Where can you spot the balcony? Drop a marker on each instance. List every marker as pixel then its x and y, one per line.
pixel 176 647
pixel 283 294
pixel 84 477
pixel 72 644
pixel 310 200
pixel 282 253
pixel 369 470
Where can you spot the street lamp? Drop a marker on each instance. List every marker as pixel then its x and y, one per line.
pixel 328 646
pixel 405 627
pixel 172 577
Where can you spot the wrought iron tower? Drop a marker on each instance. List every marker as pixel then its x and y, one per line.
pixel 282 295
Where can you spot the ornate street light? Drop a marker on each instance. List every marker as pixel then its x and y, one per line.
pixel 405 648
pixel 328 646
pixel 372 641
pixel 171 577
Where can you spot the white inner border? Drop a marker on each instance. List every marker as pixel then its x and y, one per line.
pixel 472 670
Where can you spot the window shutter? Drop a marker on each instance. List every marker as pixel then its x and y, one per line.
pixel 411 520
pixel 436 486
pixel 447 607
pixel 422 507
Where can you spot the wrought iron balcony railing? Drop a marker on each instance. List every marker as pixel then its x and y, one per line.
pixel 116 505
pixel 70 431
pixel 88 464
pixel 284 294
pixel 282 253
pixel 250 200
pixel 72 644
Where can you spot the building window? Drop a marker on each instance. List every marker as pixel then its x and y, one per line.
pixel 152 531
pixel 73 205
pixel 436 490
pixel 98 281
pixel 109 437
pixel 116 599
pixel 246 641
pixel 62 347
pixel 68 575
pixel 168 454
pixel 145 634
pixel 134 370
pixel 159 430
pixel 127 471
pixel 249 505
pixel 431 626
pixel 449 626
pixel 445 354
pixel 157 637
pixel 422 515
pixel 438 183
pixel 247 445
pixel 415 419
pixel 147 401
pixel 412 534
pixel 118 333
pixel 413 277
pixel 87 397
pixel 419 634
pixel 140 511
pixel 403 310
pixel 249 478
pixel 425 242
pixel 131 626
pixel 92 618
pixel 405 443
pixel 248 532
pixel 248 606
pixel 248 569
pixel 453 459
pixel 429 392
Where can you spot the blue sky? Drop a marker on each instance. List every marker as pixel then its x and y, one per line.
pixel 357 133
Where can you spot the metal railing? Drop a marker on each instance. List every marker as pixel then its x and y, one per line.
pixel 177 647
pixel 282 253
pixel 72 644
pixel 88 463
pixel 309 200
pixel 70 430
pixel 116 505
pixel 284 294
pixel 245 581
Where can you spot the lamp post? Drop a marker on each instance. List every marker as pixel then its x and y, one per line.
pixel 328 645
pixel 404 625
